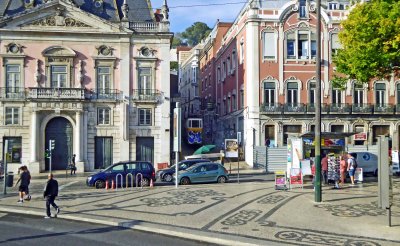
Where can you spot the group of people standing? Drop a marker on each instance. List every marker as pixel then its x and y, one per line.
pixel 50 191
pixel 334 169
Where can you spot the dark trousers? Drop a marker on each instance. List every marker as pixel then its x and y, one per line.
pixel 325 176
pixel 50 201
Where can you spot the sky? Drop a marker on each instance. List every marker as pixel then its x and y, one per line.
pixel 183 13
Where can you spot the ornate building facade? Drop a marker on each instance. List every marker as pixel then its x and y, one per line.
pixel 91 75
pixel 265 79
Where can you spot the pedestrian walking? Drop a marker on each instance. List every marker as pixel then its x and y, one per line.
pixel 24 181
pixel 351 167
pixel 73 165
pixel 324 167
pixel 50 193
pixel 343 168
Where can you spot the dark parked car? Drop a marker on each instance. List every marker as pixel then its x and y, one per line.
pixel 124 168
pixel 203 173
pixel 167 173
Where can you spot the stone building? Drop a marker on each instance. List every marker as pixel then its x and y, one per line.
pixel 264 81
pixel 92 75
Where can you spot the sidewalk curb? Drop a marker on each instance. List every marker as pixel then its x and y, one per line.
pixel 190 236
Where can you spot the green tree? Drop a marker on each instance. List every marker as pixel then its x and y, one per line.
pixel 371 42
pixel 195 33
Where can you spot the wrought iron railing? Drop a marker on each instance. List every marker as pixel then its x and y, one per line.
pixel 271 108
pixel 56 93
pixel 294 108
pixel 384 108
pixel 146 95
pixel 361 108
pixel 106 94
pixel 339 108
pixel 12 93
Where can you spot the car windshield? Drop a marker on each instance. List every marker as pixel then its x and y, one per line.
pixel 191 168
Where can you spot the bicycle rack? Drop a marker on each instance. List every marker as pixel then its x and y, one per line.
pixel 127 179
pixel 141 180
pixel 116 181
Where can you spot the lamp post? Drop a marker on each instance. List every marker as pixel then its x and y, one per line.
pixel 317 138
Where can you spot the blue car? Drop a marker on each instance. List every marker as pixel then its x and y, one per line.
pixel 203 173
pixel 125 168
pixel 167 173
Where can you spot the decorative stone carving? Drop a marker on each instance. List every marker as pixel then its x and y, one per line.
pixel 312 7
pixel 104 50
pixel 58 20
pixel 81 75
pixel 125 10
pixel 37 74
pixel 146 52
pixel 14 48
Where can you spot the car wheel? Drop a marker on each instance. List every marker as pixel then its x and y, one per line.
pixel 221 179
pixel 145 182
pixel 168 177
pixel 185 181
pixel 99 184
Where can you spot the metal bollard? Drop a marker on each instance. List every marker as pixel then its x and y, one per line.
pixel 141 180
pixel 116 181
pixel 127 179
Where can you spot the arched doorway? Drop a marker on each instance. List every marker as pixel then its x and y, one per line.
pixel 60 130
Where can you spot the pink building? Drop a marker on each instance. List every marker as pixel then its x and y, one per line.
pixel 265 79
pixel 91 75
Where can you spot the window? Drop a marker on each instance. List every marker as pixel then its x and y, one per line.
pixel 209 80
pixel 228 63
pixel 12 116
pixel 223 71
pixel 241 99
pixel 335 44
pixel 58 76
pixel 145 166
pixel 145 81
pixel 103 116
pixel 292 90
pixel 228 109
pixel 241 52
pixel 380 91
pixel 398 93
pixel 233 102
pixel 333 6
pixel 13 78
pixel 130 167
pixel 103 80
pixel 14 149
pixel 219 74
pixel 233 60
pixel 303 9
pixel 312 93
pixel 118 168
pixel 269 93
pixel 337 96
pixel 358 97
pixel 145 117
pixel 269 45
pixel 303 46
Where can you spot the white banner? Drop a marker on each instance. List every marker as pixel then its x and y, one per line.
pixel 177 129
pixel 395 161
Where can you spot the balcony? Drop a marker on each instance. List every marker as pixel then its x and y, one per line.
pixel 294 108
pixel 146 95
pixel 271 108
pixel 13 93
pixel 383 109
pixel 56 93
pixel 104 95
pixel 339 108
pixel 361 108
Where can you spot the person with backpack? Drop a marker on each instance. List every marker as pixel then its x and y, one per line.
pixel 351 167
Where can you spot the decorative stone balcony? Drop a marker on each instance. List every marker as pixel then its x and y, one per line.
pixel 384 109
pixel 294 108
pixel 339 108
pixel 12 93
pixel 271 108
pixel 149 26
pixel 56 93
pixel 361 108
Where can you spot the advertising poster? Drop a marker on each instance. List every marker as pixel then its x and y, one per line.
pixel 306 167
pixel 395 161
pixel 231 148
pixel 296 176
pixel 297 152
pixel 358 175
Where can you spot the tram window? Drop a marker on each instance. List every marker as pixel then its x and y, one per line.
pixel 195 124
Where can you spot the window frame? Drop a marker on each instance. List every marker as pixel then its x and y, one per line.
pixel 15 116
pixel 103 116
pixel 266 45
pixel 145 116
pixel 269 92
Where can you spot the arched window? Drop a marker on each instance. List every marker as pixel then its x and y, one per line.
pixel 358 95
pixel 292 93
pixel 269 93
pixel 311 93
pixel 380 91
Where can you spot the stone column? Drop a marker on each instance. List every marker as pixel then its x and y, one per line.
pixel 78 142
pixel 34 138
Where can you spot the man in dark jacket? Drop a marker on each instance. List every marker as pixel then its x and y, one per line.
pixel 50 192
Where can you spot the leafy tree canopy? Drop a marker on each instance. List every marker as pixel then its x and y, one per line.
pixel 371 42
pixel 195 33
